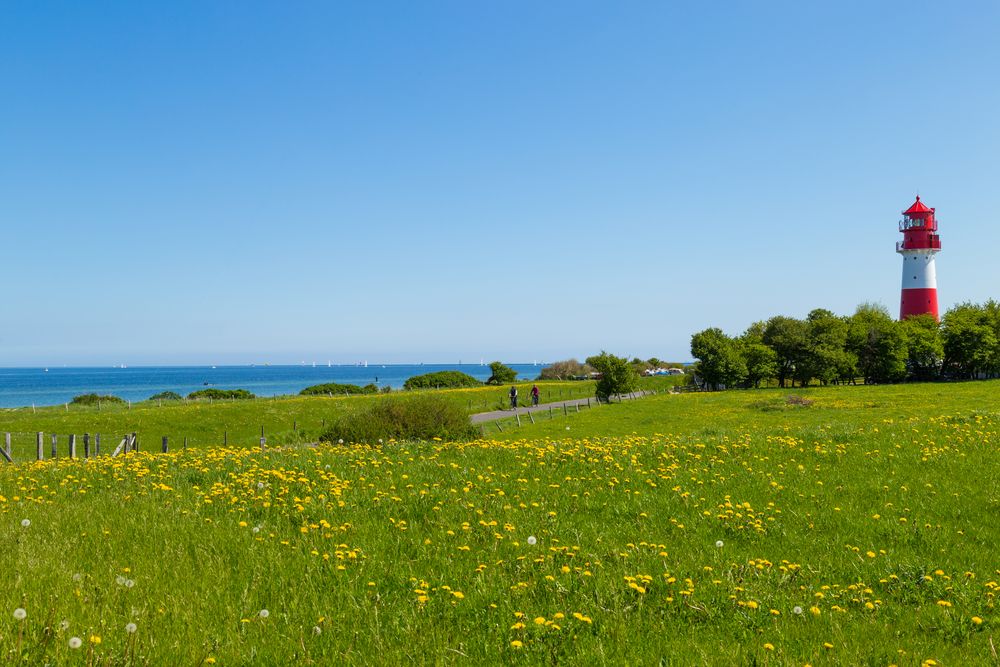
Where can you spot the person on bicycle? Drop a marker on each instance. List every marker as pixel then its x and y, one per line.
pixel 534 394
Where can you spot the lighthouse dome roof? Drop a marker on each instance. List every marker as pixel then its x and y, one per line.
pixel 918 209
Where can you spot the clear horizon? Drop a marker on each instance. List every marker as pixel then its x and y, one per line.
pixel 242 183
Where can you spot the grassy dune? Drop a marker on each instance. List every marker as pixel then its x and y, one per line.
pixel 694 529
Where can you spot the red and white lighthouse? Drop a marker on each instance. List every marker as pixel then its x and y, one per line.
pixel 919 245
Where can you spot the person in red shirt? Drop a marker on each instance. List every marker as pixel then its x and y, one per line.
pixel 534 394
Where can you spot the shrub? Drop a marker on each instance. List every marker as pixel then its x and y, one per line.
pixel 442 379
pixel 410 418
pixel 570 369
pixel 166 396
pixel 617 375
pixel 94 399
pixel 335 388
pixel 221 394
pixel 501 374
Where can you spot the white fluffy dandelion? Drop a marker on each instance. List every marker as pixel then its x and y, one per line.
pixel 75 642
pixel 77 577
pixel 25 523
pixel 317 630
pixel 260 485
pixel 64 625
pixel 120 580
pixel 532 540
pixel 719 544
pixel 263 613
pixel 797 610
pixel 256 529
pixel 130 628
pixel 20 614
pixel 129 583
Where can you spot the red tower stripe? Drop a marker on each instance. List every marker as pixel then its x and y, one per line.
pixel 918 302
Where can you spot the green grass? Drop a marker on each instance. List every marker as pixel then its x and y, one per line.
pixel 285 420
pixel 875 505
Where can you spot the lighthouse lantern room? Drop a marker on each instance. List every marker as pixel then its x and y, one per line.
pixel 919 245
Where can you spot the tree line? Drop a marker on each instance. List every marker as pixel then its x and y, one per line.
pixel 869 345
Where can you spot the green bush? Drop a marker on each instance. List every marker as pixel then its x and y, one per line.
pixel 617 375
pixel 336 388
pixel 166 396
pixel 443 380
pixel 501 374
pixel 404 418
pixel 94 399
pixel 221 394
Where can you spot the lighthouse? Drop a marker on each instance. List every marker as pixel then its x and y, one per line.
pixel 919 245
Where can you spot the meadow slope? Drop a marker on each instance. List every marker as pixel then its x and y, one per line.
pixel 855 526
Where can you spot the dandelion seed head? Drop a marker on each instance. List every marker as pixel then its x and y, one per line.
pixel 256 529
pixel 25 523
pixel 260 485
pixel 77 577
pixel 129 583
pixel 532 540
pixel 120 580
pixel 20 614
pixel 797 610
pixel 317 630
pixel 263 613
pixel 719 544
pixel 130 628
pixel 75 642
pixel 64 624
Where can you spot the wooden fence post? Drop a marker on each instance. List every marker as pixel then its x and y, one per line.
pixel 295 425
pixel 97 444
pixel 499 427
pixel 185 442
pixel 55 442
pixel 135 443
pixel 577 407
pixel 530 417
pixel 263 443
pixel 517 417
pixel 165 446
pixel 40 445
pixel 86 445
pixel 6 447
pixel 565 410
pixel 225 438
pixel 72 445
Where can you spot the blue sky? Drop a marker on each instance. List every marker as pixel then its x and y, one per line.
pixel 246 182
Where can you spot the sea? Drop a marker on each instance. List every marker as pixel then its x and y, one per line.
pixel 23 387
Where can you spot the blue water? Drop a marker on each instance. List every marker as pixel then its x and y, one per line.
pixel 35 386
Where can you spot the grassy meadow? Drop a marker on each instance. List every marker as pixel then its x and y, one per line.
pixel 843 525
pixel 286 420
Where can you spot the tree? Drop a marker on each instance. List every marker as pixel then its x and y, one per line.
pixel 925 349
pixel 501 374
pixel 878 342
pixel 565 370
pixel 787 337
pixel 617 375
pixel 969 340
pixel 761 361
pixel 720 362
pixel 825 356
